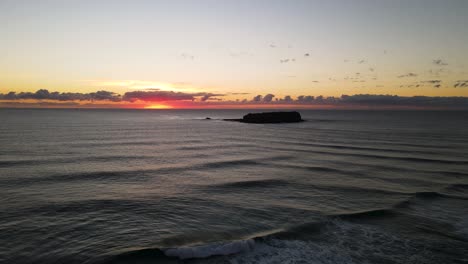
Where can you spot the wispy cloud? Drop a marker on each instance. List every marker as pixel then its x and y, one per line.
pixel 239 93
pixel 410 74
pixel 240 54
pixel 287 60
pixel 432 81
pixel 437 72
pixel 461 84
pixel 439 62
pixel 187 56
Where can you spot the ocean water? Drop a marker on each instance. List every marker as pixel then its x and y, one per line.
pixel 168 186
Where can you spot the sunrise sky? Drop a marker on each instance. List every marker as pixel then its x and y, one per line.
pixel 226 53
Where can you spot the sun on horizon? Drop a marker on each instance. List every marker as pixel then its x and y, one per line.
pixel 158 106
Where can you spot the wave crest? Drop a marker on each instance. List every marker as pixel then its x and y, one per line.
pixel 204 251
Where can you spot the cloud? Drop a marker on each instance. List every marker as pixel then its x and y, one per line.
pixel 268 98
pixel 204 98
pixel 432 81
pixel 156 96
pixel 439 62
pixel 305 98
pixel 287 60
pixel 187 56
pixel 461 84
pixel 161 96
pixel 147 95
pixel 437 72
pixel 394 100
pixel 257 98
pixel 209 97
pixel 44 94
pixel 138 99
pixel 435 83
pixel 410 74
pixel 15 104
pixel 363 100
pixel 240 54
pixel 239 93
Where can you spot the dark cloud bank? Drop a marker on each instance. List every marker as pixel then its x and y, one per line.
pixel 56 96
pixel 148 95
pixel 46 98
pixel 368 100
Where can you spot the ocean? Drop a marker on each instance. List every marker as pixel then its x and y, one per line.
pixel 169 186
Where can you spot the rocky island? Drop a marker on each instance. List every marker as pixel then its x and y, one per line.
pixel 270 117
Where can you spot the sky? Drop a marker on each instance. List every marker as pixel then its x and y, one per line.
pixel 220 53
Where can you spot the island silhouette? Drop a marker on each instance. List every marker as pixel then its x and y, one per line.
pixel 270 117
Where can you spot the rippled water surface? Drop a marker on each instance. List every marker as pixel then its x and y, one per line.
pixel 137 186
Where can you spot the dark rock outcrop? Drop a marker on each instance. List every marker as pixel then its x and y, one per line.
pixel 270 117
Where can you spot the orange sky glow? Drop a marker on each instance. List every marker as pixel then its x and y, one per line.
pixel 225 54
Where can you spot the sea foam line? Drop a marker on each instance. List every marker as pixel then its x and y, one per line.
pixel 204 251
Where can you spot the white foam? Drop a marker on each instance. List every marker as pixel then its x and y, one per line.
pixel 204 251
pixel 345 243
pixel 292 251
